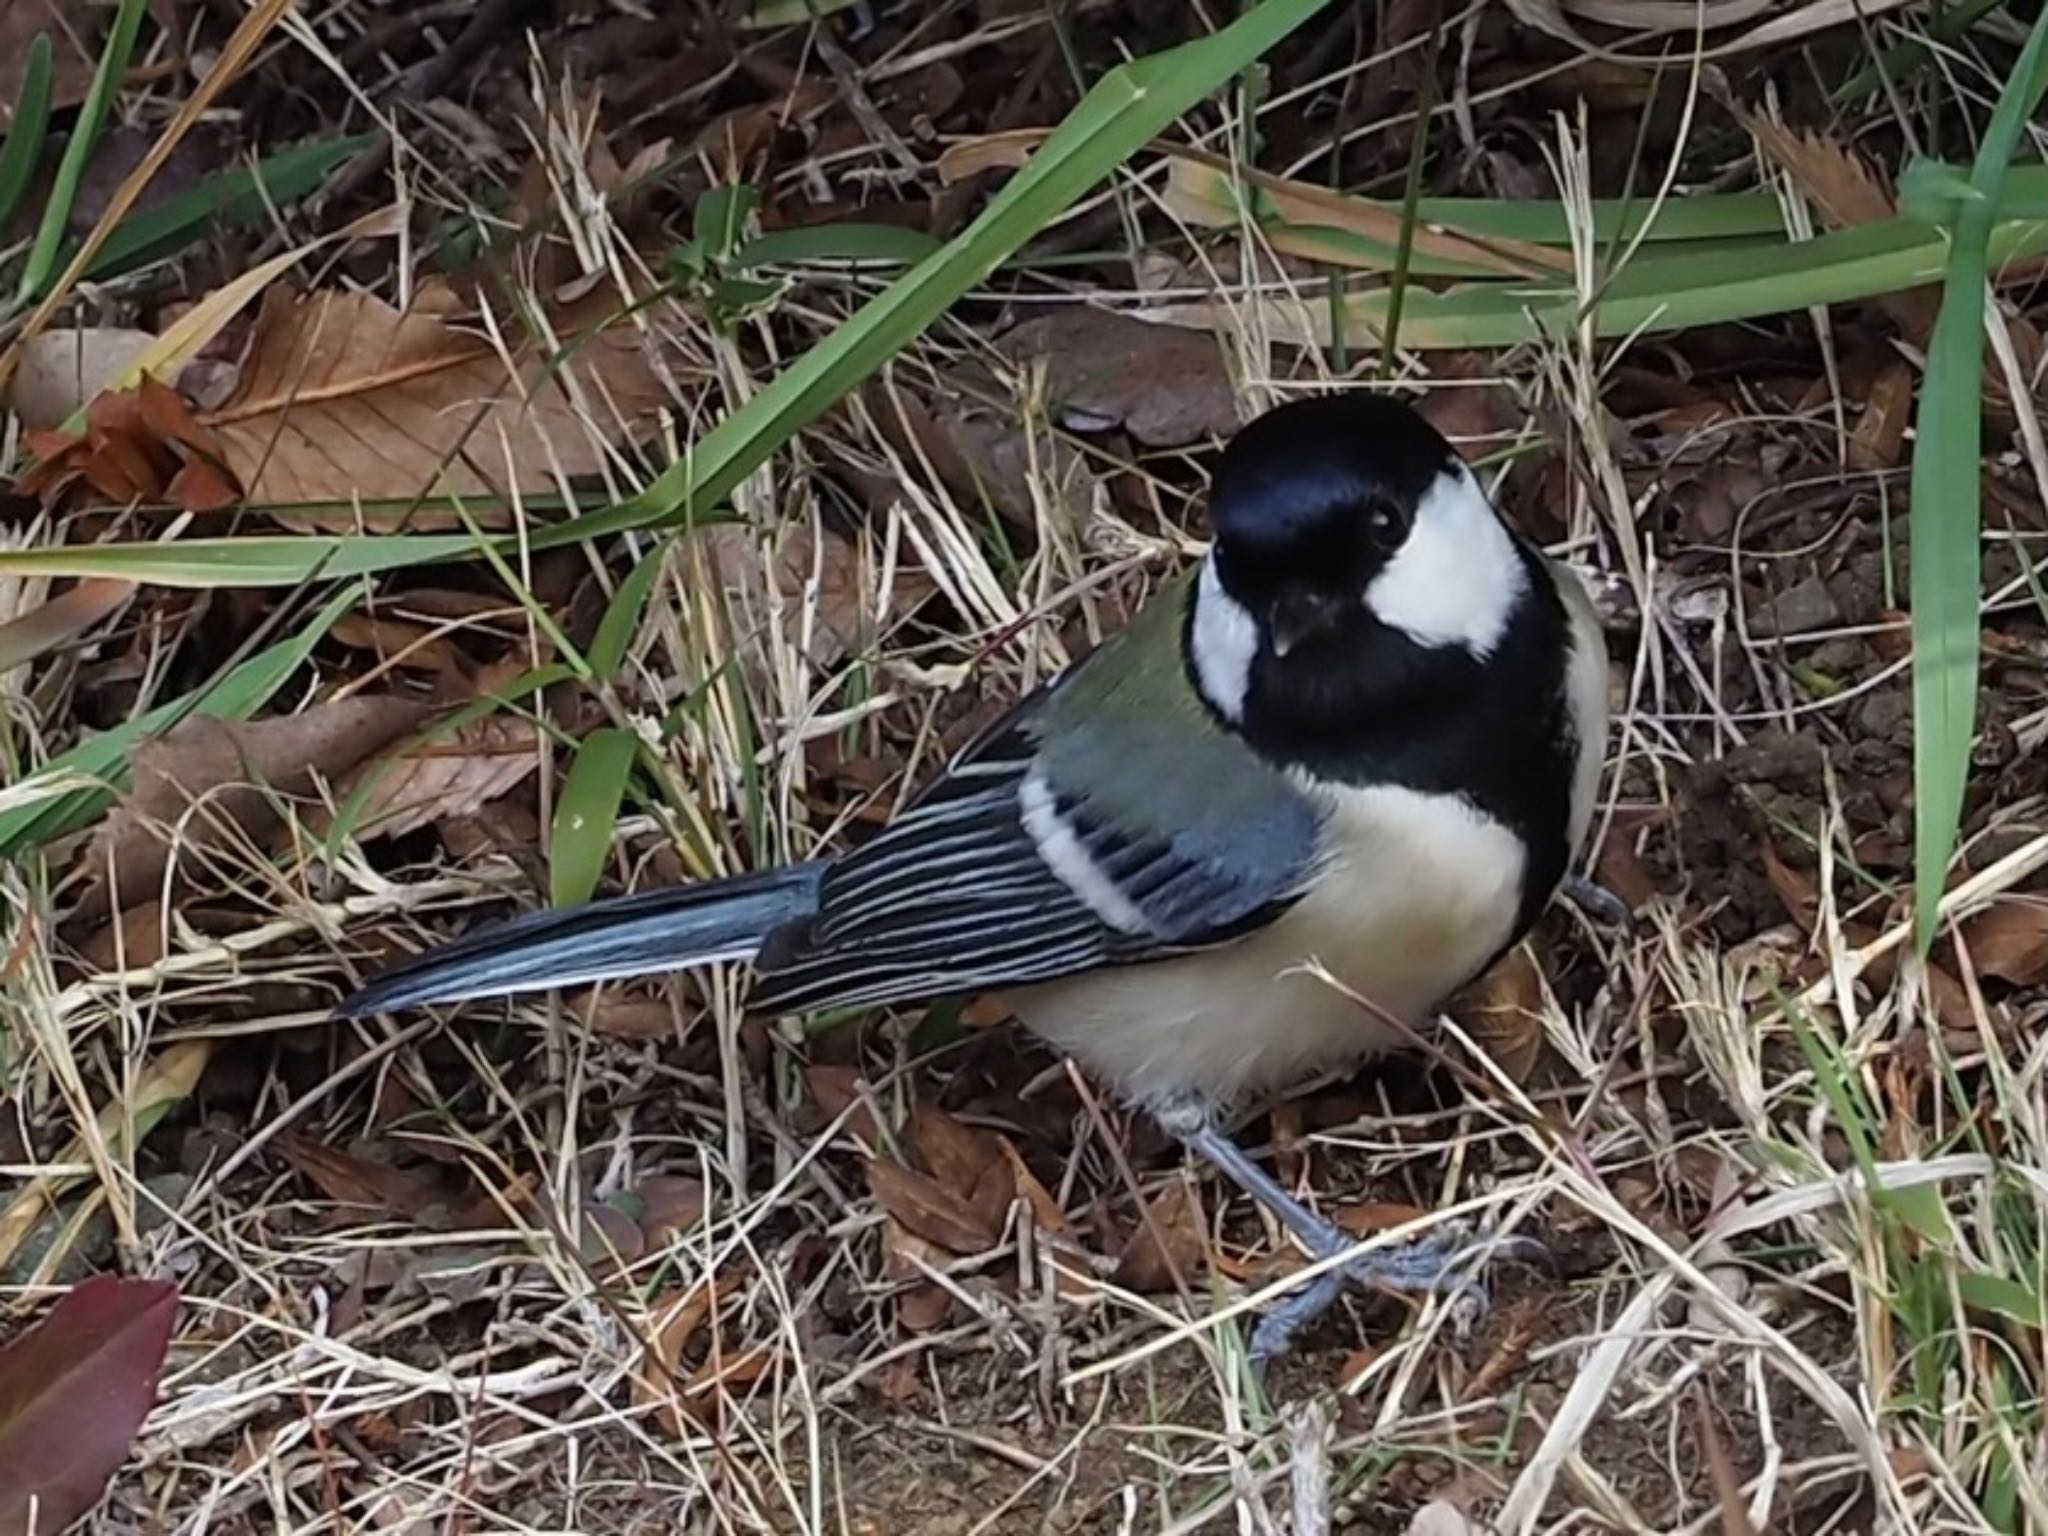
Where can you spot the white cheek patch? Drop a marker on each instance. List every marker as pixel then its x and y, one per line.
pixel 1222 643
pixel 1458 577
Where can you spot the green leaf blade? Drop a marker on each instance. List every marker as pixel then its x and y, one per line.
pixel 586 815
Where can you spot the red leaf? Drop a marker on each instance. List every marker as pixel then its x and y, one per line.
pixel 74 1389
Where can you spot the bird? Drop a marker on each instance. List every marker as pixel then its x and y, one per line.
pixel 1360 739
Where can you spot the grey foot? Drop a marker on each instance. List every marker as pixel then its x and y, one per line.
pixel 1445 1263
pixel 1599 903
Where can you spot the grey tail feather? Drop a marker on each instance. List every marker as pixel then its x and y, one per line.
pixel 660 930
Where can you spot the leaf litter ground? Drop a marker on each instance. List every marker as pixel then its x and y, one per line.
pixel 633 1262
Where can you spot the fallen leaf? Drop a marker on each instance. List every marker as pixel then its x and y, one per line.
pixel 839 1089
pixel 984 453
pixel 1837 180
pixel 206 782
pixel 807 578
pixel 610 1236
pixel 682 1316
pixel 1503 1012
pixel 1045 1211
pixel 61 620
pixel 167 1080
pixel 1165 386
pixel 74 33
pixel 1204 189
pixel 928 1209
pixel 669 1204
pixel 64 367
pixel 1796 891
pixel 620 1015
pixel 138 938
pixel 1165 1251
pixel 74 1389
pixel 1440 1517
pixel 1364 1218
pixel 1842 185
pixel 348 1178
pixel 2009 940
pixel 437 780
pixel 994 1192
pixel 923 1308
pixel 345 398
pixel 1879 437
pixel 921 1305
pixel 954 1153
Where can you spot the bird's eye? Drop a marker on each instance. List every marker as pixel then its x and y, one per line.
pixel 1386 525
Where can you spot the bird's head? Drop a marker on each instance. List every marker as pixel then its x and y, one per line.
pixel 1342 523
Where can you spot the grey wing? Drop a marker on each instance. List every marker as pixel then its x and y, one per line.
pixel 1002 875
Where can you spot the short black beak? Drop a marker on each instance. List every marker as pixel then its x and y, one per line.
pixel 1300 614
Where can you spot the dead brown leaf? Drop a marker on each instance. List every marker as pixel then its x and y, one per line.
pixel 682 1316
pixel 669 1204
pixel 2009 940
pixel 1365 1217
pixel 1795 890
pixel 74 31
pixel 139 445
pixel 619 1015
pixel 1879 437
pixel 964 1158
pixel 1045 1211
pixel 987 454
pixel 809 573
pixel 838 1089
pixel 61 620
pixel 344 397
pixel 1837 180
pixel 1503 1012
pixel 136 940
pixel 1165 386
pixel 1842 185
pixel 349 1178
pixel 437 780
pixel 928 1209
pixel 64 367
pixel 953 1152
pixel 610 1236
pixel 207 782
pixel 1165 1252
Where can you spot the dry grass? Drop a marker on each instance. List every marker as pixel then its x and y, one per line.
pixel 1772 1163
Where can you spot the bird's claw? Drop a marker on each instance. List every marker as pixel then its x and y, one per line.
pixel 1445 1263
pixel 1600 904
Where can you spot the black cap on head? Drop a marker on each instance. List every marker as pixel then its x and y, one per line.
pixel 1290 469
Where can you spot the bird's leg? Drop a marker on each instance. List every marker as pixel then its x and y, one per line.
pixel 1599 903
pixel 1441 1263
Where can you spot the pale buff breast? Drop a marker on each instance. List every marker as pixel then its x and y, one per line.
pixel 1421 891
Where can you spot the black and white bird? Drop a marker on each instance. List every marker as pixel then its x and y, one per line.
pixel 1366 732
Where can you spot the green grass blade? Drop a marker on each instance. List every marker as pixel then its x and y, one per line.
pixel 85 134
pixel 28 127
pixel 1686 288
pixel 1946 502
pixel 580 841
pixel 263 560
pixel 622 614
pixel 237 196
pixel 235 696
pixel 1945 26
pixel 1120 115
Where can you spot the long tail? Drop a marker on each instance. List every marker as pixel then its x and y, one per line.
pixel 660 930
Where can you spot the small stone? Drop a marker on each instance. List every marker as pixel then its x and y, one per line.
pixel 1799 610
